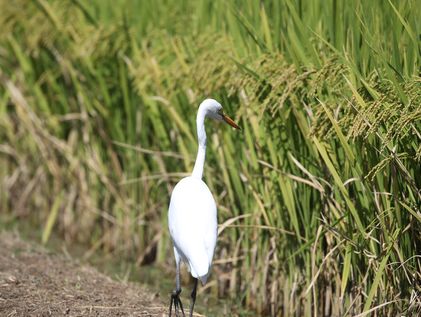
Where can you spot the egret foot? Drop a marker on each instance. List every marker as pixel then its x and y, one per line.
pixel 175 298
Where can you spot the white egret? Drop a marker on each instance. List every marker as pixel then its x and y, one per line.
pixel 192 214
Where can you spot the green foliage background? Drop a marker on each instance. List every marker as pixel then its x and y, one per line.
pixel 319 196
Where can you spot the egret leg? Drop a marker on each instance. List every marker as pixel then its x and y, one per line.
pixel 193 297
pixel 175 295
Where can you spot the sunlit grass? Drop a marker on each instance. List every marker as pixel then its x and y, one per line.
pixel 319 196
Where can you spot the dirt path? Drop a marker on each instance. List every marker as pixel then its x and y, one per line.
pixel 34 282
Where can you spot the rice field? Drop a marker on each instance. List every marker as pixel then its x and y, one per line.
pixel 319 196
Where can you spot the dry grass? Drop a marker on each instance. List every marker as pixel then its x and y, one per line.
pixel 318 197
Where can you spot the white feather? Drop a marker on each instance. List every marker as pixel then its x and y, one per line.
pixel 192 222
pixel 192 217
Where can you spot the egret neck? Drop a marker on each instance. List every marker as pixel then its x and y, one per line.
pixel 201 137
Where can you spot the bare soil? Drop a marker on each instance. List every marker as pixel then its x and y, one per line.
pixel 36 282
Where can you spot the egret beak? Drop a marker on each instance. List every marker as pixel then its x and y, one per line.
pixel 230 121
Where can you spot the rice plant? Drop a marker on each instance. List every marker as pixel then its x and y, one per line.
pixel 319 198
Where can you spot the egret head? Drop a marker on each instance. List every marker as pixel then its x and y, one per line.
pixel 213 109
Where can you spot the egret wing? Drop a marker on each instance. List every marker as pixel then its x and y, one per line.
pixel 193 224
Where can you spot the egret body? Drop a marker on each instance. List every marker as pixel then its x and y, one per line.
pixel 192 215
